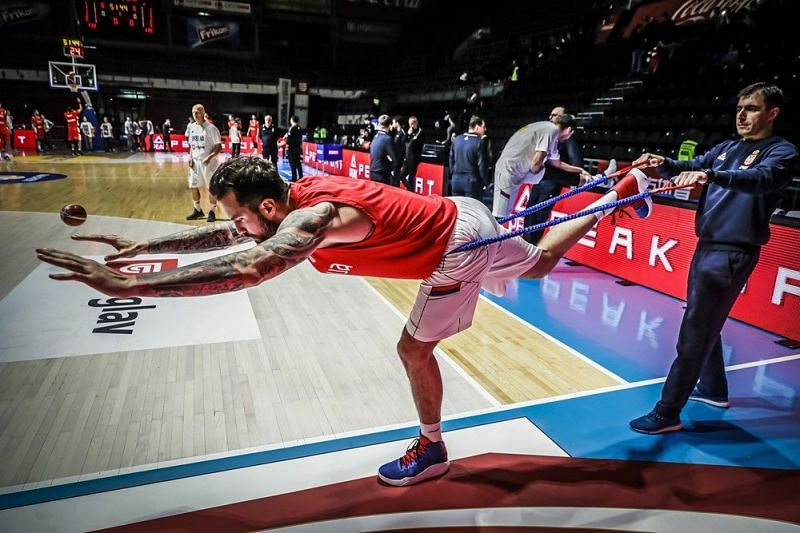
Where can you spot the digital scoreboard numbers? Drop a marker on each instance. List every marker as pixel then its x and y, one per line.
pixel 119 18
pixel 72 47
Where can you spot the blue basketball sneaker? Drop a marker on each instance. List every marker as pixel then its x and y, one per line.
pixel 716 401
pixel 423 460
pixel 632 184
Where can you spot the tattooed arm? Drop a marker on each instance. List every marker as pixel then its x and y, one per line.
pixel 202 239
pixel 297 237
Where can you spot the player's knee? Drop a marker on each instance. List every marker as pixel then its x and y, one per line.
pixel 411 350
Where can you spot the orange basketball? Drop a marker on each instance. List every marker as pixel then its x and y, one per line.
pixel 73 215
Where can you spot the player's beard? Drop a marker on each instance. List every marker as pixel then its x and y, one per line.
pixel 268 228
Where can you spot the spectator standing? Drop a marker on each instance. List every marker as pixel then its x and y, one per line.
pixel 383 157
pixel 294 145
pixel 469 162
pixel 413 153
pixel 269 141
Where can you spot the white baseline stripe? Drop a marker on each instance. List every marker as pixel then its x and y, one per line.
pixel 441 354
pixel 614 519
pixel 557 342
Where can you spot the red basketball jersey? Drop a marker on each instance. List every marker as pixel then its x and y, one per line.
pixel 410 234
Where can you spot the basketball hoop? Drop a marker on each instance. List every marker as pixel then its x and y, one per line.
pixel 72 81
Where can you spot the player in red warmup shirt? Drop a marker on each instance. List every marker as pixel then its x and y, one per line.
pixel 37 123
pixel 353 227
pixel 73 132
pixel 5 134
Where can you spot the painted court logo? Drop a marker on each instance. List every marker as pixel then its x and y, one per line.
pixel 8 178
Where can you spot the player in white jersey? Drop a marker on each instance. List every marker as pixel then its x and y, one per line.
pixel 204 145
pixel 523 159
pixel 107 132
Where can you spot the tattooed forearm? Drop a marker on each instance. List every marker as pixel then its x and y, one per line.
pixel 297 237
pixel 205 238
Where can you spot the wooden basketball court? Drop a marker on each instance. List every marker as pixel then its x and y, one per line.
pixel 324 364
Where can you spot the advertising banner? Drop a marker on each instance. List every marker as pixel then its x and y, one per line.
pixel 85 321
pixel 656 253
pixel 205 32
pixel 24 139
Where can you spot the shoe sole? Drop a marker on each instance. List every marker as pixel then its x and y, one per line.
pixel 713 403
pixel 432 471
pixel 667 429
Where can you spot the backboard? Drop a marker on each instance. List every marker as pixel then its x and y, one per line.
pixel 81 76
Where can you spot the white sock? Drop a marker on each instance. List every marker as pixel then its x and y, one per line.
pixel 610 196
pixel 432 432
pixel 196 204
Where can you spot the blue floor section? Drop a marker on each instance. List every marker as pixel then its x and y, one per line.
pixel 760 429
pixel 630 330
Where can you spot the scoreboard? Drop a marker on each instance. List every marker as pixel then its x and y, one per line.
pixel 119 18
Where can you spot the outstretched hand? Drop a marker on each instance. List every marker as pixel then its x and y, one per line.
pixel 125 247
pixel 92 273
pixel 651 160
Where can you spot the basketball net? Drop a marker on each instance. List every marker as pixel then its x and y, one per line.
pixel 73 87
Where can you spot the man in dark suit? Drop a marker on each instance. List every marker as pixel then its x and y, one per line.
pixel 469 162
pixel 399 133
pixel 382 153
pixel 413 153
pixel 269 140
pixel 294 145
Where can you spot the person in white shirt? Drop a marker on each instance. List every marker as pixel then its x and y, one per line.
pixel 204 145
pixel 128 129
pixel 234 132
pixel 523 159
pixel 107 132
pixel 87 132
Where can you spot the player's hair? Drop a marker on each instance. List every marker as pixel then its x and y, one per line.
pixel 251 179
pixel 384 121
pixel 398 119
pixel 772 94
pixel 565 121
pixel 295 119
pixel 475 121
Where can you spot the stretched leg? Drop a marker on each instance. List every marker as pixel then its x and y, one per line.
pixel 564 236
pixel 423 373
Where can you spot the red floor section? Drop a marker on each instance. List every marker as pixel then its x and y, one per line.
pixel 496 480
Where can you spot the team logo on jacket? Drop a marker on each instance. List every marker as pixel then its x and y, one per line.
pixel 750 159
pixel 723 156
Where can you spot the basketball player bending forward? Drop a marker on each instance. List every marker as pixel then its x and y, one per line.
pixel 355 227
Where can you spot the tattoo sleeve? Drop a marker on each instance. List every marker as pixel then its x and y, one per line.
pixel 214 237
pixel 297 237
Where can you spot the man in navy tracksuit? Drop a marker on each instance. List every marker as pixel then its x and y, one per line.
pixel 469 162
pixel 744 179
pixel 383 161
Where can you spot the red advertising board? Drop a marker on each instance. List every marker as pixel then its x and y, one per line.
pixel 24 139
pixel 429 179
pixel 355 164
pixel 656 253
pixel 178 143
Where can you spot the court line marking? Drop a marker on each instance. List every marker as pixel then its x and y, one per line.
pixel 559 343
pixel 320 445
pixel 441 353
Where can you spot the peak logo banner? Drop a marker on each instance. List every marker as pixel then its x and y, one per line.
pixel 8 178
pixel 44 318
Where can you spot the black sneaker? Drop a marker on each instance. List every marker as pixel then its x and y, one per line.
pixel 211 217
pixel 196 214
pixel 653 424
